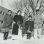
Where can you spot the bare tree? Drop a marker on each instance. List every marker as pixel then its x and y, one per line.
pixel 33 4
pixel 28 5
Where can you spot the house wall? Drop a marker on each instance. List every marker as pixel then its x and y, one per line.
pixel 2 16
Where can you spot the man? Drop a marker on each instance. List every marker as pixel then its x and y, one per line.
pixel 8 19
pixel 29 26
pixel 37 25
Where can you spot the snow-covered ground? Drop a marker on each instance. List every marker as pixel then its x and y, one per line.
pixel 21 41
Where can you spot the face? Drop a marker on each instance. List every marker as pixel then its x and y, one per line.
pixel 30 18
pixel 9 13
pixel 19 13
pixel 37 12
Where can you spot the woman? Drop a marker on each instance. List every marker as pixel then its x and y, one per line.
pixel 17 20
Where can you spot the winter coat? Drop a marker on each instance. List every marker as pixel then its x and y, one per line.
pixel 7 21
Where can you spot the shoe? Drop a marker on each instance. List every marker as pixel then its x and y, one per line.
pixel 4 39
pixel 14 39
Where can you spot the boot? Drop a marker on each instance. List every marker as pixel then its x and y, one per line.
pixel 5 35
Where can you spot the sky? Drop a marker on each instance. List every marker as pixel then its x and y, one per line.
pixel 8 3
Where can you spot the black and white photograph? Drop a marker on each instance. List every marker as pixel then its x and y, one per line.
pixel 21 21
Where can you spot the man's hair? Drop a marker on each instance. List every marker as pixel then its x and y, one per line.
pixel 37 10
pixel 10 11
pixel 18 11
pixel 30 16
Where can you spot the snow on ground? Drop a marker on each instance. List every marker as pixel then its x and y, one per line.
pixel 22 41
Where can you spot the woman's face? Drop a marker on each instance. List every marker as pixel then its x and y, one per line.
pixel 19 13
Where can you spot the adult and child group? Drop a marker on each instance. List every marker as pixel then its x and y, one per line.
pixel 33 25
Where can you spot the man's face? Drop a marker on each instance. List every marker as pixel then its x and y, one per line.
pixel 30 18
pixel 9 13
pixel 37 12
